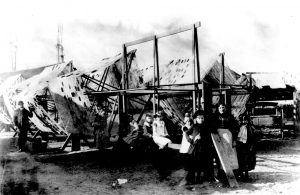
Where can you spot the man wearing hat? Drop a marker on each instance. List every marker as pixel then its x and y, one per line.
pixel 21 121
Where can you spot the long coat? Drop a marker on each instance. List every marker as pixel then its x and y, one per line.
pixel 21 119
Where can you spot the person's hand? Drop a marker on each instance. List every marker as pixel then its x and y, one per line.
pixel 114 138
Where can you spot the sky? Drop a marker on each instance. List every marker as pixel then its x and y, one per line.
pixel 255 35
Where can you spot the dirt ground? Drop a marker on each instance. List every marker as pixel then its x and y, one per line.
pixel 277 172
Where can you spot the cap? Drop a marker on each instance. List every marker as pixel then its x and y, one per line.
pixel 20 102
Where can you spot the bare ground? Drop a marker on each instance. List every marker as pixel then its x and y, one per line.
pixel 277 172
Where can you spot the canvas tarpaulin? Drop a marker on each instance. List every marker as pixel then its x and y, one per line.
pixel 28 90
pixel 72 105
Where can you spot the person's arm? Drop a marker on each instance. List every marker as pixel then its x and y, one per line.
pixel 15 118
pixel 187 135
pixel 188 138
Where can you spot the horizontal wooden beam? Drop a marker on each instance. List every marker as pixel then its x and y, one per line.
pixel 261 72
pixel 140 92
pixel 162 35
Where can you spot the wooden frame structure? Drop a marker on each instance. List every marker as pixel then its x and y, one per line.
pixel 156 90
pixel 196 89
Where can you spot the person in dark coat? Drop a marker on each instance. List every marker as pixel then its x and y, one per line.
pixel 21 121
pixel 207 148
pixel 199 157
pixel 246 147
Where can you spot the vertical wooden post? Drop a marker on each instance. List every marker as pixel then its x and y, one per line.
pixel 197 64
pixel 75 142
pixel 122 98
pixel 154 75
pixel 222 79
pixel 157 69
pixel 207 97
pixel 194 69
pixel 197 54
pixel 282 122
pixel 156 83
pixel 228 100
pixel 124 79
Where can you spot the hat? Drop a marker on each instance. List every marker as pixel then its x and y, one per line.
pixel 20 102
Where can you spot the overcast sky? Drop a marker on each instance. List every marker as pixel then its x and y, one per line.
pixel 256 36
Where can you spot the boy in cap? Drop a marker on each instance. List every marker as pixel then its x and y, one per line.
pixel 21 121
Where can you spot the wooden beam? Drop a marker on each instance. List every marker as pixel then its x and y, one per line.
pixel 173 32
pixel 36 134
pixel 66 142
pixel 76 142
pixel 156 64
pixel 153 80
pixel 144 108
pixel 207 98
pixel 124 79
pixel 194 69
pixel 112 117
pixel 222 76
pixel 224 160
pixel 228 100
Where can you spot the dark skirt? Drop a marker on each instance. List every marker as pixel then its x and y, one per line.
pixel 246 156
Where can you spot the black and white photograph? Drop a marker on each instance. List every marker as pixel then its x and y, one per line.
pixel 160 97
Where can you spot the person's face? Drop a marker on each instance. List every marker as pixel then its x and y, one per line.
pixel 149 119
pixel 200 119
pixel 21 106
pixel 222 109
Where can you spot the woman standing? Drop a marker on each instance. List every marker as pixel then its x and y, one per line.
pixel 226 127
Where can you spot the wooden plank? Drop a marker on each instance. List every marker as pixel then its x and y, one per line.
pixel 36 134
pixel 162 35
pixel 144 108
pixel 224 160
pixel 179 30
pixel 66 142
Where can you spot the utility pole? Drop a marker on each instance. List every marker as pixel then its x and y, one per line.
pixel 13 55
pixel 59 45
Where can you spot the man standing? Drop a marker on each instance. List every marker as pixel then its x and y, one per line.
pixel 21 121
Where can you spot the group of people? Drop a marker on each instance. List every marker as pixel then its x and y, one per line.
pixel 153 132
pixel 197 148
